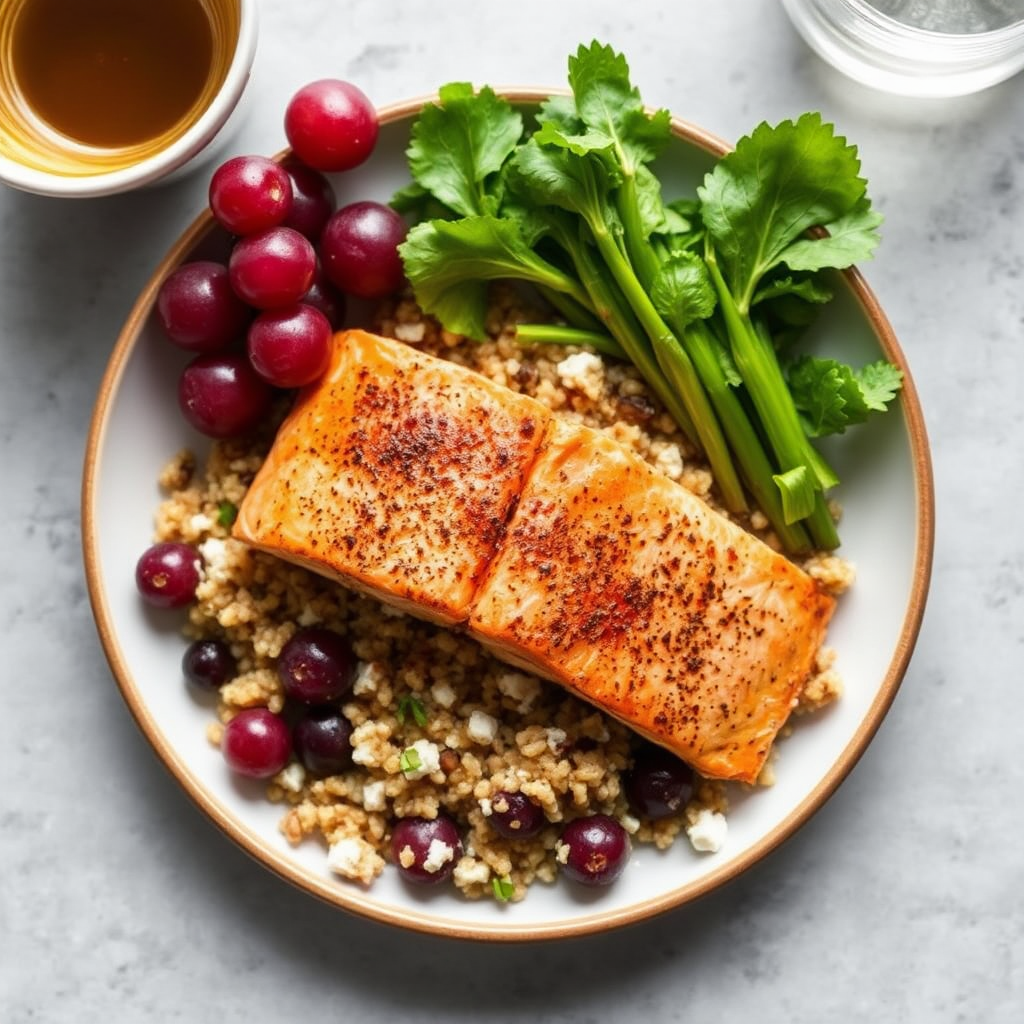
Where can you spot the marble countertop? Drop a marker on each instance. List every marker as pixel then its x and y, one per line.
pixel 902 900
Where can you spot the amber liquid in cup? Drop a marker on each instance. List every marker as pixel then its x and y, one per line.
pixel 89 86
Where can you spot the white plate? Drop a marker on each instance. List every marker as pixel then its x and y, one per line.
pixel 887 531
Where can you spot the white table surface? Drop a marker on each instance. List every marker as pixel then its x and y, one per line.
pixel 902 900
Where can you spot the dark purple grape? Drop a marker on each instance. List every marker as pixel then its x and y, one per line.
pixel 515 816
pixel 291 346
pixel 658 784
pixel 316 666
pixel 331 125
pixel 222 395
pixel 198 309
pixel 250 194
pixel 420 848
pixel 598 849
pixel 323 741
pixel 208 664
pixel 313 199
pixel 324 296
pixel 359 249
pixel 256 743
pixel 167 574
pixel 272 268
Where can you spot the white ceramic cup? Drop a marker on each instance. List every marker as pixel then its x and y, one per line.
pixel 183 150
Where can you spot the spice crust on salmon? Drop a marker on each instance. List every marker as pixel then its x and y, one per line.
pixel 457 500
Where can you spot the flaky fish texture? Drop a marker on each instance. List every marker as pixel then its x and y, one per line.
pixel 459 501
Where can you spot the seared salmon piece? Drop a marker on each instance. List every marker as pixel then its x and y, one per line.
pixel 396 474
pixel 629 590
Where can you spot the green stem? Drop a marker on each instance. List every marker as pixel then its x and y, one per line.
pixel 676 365
pixel 745 442
pixel 641 255
pixel 614 311
pixel 767 387
pixel 553 334
pixel 575 313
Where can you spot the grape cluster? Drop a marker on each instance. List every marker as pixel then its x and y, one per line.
pixel 264 319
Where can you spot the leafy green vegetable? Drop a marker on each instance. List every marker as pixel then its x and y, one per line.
pixel 831 396
pixel 227 513
pixel 687 289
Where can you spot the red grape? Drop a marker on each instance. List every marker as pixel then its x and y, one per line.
pixel 324 296
pixel 313 199
pixel 331 125
pixel 359 248
pixel 414 850
pixel 257 743
pixel 167 574
pixel 272 268
pixel 197 308
pixel 250 194
pixel 222 395
pixel 598 849
pixel 291 346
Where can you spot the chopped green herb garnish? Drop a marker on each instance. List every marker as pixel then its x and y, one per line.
pixel 409 760
pixel 227 513
pixel 504 888
pixel 411 705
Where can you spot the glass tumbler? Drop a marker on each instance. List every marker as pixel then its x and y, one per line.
pixel 932 48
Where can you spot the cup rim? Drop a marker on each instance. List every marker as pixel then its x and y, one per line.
pixel 179 152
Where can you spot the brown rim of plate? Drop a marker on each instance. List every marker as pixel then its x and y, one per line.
pixel 356 900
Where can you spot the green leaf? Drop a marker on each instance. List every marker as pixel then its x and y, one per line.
pixel 561 111
pixel 415 203
pixel 810 289
pixel 557 176
pixel 459 142
pixel 607 102
pixel 830 396
pixel 851 239
pixel 682 290
pixel 778 182
pixel 409 760
pixel 880 382
pixel 449 264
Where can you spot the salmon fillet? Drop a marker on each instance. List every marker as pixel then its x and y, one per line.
pixel 434 489
pixel 396 474
pixel 632 592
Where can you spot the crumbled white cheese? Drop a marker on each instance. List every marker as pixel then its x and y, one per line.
pixel 438 855
pixel 411 332
pixel 291 777
pixel 519 687
pixel 629 823
pixel 429 755
pixel 485 806
pixel 369 675
pixel 584 372
pixel 373 795
pixel 669 460
pixel 353 857
pixel 308 617
pixel 482 727
pixel 707 831
pixel 470 870
pixel 556 739
pixel 199 524
pixel 215 558
pixel 443 694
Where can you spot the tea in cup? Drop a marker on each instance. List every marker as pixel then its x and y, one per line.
pixel 100 96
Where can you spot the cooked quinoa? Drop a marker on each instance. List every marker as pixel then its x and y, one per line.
pixel 482 728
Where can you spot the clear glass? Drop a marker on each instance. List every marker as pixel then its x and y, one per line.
pixel 933 48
